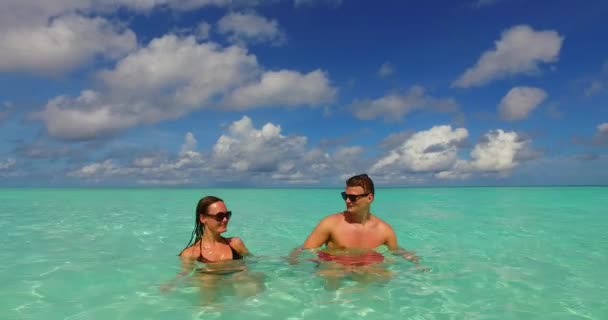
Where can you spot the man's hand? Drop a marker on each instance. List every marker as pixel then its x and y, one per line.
pixel 411 257
pixel 166 287
pixel 293 255
pixel 423 269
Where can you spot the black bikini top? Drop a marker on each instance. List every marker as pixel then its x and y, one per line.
pixel 235 254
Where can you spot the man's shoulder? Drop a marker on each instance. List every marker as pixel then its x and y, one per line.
pixel 381 223
pixel 333 218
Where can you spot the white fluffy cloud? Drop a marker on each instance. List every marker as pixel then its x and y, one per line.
pixel 283 88
pixel 85 117
pixel 498 152
pixel 436 151
pixel 264 156
pixel 601 136
pixel 250 27
pixel 520 50
pixel 30 12
pixel 595 86
pixel 179 4
pixel 243 153
pixel 395 106
pixel 189 144
pixel 100 171
pixel 202 31
pixel 152 169
pixel 147 161
pixel 7 164
pixel 246 149
pixel 386 69
pixel 171 77
pixel 598 83
pixel 63 44
pixel 519 102
pixel 5 109
pixel 432 150
pixel 189 71
pixel 55 36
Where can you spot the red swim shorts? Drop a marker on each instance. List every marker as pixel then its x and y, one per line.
pixel 352 260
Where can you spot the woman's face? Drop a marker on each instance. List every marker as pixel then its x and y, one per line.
pixel 217 217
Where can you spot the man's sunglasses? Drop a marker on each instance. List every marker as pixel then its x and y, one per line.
pixel 220 216
pixel 353 197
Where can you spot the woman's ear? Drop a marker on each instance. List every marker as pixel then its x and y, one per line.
pixel 200 218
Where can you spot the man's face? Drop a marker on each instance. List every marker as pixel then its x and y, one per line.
pixel 356 199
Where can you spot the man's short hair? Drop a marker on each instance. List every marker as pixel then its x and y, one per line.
pixel 363 181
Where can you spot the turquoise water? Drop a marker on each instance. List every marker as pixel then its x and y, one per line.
pixel 495 253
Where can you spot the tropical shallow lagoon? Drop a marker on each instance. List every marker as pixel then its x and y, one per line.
pixel 495 253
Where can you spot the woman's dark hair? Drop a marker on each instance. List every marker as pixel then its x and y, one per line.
pixel 201 208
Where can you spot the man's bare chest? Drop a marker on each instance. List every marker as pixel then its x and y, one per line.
pixel 356 237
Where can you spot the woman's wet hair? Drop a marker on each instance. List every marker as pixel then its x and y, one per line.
pixel 201 208
pixel 363 181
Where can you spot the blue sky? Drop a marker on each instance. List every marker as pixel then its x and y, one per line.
pixel 303 93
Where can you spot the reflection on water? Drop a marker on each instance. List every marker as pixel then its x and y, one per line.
pixel 226 278
pixel 300 290
pixel 353 270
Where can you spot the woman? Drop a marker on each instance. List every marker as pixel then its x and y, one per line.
pixel 209 246
pixel 215 259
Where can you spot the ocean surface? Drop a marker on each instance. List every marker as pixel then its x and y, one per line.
pixel 494 253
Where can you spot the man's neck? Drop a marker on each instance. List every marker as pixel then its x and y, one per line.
pixel 358 217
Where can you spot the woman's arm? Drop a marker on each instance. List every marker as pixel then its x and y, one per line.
pixel 237 244
pixel 187 265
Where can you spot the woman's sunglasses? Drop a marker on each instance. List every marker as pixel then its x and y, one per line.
pixel 353 197
pixel 220 216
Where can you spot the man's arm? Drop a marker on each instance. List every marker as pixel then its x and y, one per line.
pixel 319 236
pixel 391 243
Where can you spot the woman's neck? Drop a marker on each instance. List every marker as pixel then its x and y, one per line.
pixel 210 237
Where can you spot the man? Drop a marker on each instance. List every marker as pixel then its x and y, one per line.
pixel 351 236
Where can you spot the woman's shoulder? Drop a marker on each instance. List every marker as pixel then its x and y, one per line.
pixel 191 252
pixel 235 241
pixel 237 244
